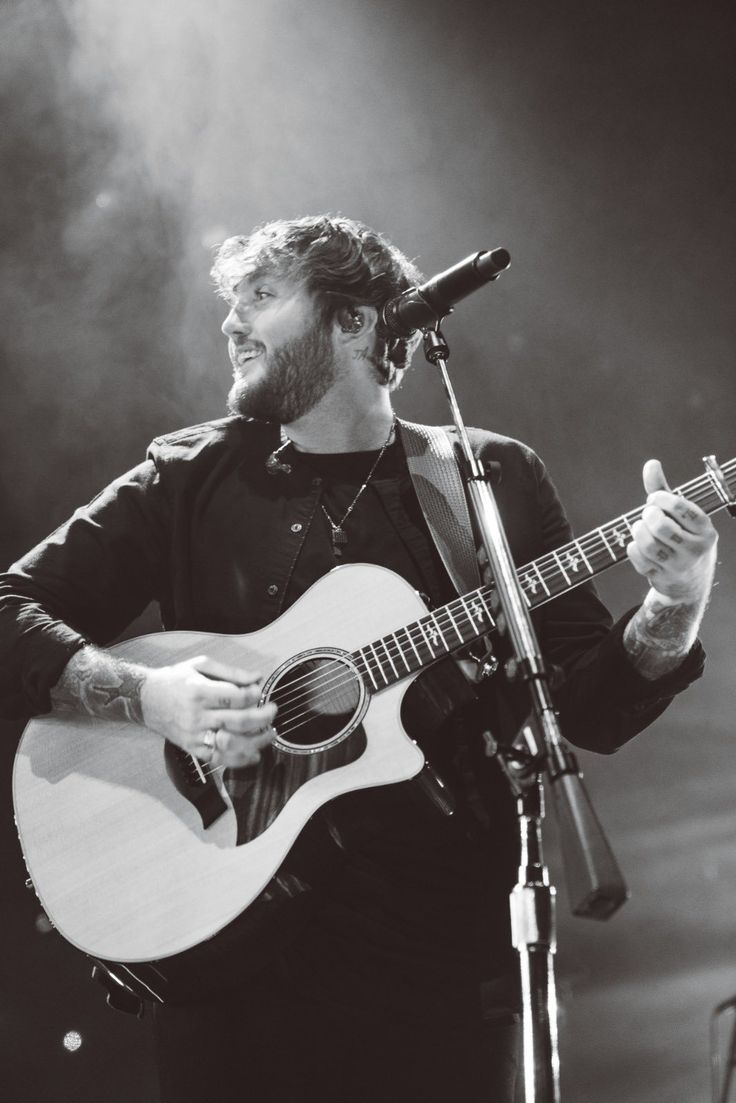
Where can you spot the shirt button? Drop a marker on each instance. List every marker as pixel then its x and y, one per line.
pixel 296 527
pixel 272 590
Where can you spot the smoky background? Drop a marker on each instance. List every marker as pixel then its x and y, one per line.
pixel 595 141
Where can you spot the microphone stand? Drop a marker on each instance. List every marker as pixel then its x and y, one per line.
pixel 595 885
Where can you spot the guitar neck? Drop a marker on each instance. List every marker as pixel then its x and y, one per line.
pixel 459 622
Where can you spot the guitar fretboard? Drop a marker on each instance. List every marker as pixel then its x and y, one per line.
pixel 464 619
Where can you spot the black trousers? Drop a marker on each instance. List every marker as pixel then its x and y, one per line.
pixel 370 989
pixel 268 1044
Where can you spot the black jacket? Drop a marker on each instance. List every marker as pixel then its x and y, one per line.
pixel 410 895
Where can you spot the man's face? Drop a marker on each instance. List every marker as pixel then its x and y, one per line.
pixel 282 355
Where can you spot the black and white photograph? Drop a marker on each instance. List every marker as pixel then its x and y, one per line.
pixel 367 551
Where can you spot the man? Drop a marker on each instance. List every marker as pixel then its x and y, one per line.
pixel 380 968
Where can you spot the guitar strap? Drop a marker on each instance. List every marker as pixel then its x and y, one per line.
pixel 430 455
pixel 433 466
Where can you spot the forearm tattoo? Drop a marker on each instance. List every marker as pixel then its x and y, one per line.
pixel 659 635
pixel 96 683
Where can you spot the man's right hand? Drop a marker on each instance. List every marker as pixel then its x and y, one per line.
pixel 183 702
pixel 186 701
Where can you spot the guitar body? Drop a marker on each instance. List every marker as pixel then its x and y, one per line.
pixel 135 853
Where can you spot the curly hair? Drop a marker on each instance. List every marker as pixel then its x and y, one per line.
pixel 343 263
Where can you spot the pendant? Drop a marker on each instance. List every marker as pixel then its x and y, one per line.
pixel 339 539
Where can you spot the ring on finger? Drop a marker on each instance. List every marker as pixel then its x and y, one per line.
pixel 210 740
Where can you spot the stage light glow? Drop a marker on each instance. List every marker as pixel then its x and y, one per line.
pixel 212 236
pixel 72 1041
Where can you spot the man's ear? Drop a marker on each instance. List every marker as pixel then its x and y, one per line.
pixel 356 322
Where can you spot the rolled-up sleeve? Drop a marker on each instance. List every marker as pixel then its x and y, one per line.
pixel 85 583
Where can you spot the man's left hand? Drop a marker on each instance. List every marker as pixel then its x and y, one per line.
pixel 674 544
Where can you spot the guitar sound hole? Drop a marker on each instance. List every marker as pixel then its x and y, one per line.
pixel 317 698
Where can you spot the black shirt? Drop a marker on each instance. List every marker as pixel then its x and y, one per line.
pixel 385 526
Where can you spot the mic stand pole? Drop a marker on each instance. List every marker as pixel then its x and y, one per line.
pixel 532 900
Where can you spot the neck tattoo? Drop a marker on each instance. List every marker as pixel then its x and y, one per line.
pixel 338 536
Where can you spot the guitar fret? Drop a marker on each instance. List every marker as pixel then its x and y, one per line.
pixel 474 612
pixel 378 663
pixel 361 660
pixel 484 603
pixel 572 560
pixel 439 629
pixel 465 621
pixel 559 564
pixel 460 636
pixel 436 633
pixel 579 546
pixel 540 576
pixel 528 583
pixel 411 641
pixel 401 650
pixel 608 546
pixel 619 537
pixel 388 656
pixel 370 673
pixel 426 638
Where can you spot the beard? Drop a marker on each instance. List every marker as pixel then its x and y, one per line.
pixel 297 375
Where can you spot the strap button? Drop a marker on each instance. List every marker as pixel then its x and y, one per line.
pixel 296 527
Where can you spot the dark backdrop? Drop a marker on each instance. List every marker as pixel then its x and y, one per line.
pixel 595 141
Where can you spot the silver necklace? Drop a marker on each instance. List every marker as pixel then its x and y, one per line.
pixel 338 535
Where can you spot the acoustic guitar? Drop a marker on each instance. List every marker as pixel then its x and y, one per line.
pixel 138 851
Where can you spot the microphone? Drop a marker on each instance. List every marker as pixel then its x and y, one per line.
pixel 418 307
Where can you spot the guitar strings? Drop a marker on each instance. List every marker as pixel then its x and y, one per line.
pixel 551 566
pixel 306 684
pixel 548 567
pixel 314 684
pixel 595 540
pixel 327 682
pixel 333 676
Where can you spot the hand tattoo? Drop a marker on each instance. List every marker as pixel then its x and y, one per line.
pixel 94 682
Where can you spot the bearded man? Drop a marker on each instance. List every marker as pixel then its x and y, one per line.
pixel 377 963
